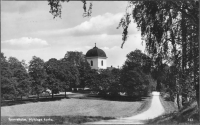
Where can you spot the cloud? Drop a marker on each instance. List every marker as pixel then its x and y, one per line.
pixel 24 43
pixel 105 24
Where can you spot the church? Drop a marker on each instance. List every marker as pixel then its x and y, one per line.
pixel 97 58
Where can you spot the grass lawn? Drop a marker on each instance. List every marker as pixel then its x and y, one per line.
pixel 75 109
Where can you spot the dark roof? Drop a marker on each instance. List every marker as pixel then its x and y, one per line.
pixel 95 52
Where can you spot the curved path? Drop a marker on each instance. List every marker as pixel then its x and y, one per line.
pixel 156 109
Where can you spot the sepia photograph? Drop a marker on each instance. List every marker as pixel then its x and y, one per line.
pixel 75 62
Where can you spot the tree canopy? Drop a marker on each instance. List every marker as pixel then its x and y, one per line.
pixel 38 74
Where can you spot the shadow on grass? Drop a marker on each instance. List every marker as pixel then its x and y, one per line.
pixel 31 100
pixel 87 95
pixel 76 95
pixel 118 98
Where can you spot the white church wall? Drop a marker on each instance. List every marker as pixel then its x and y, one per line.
pixel 95 63
pixel 104 63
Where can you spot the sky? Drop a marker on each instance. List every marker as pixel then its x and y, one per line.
pixel 28 29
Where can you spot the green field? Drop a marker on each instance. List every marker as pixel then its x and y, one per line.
pixel 75 109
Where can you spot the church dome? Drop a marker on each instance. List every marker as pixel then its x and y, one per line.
pixel 95 52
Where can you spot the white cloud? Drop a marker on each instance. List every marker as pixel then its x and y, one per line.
pixel 105 48
pixel 105 24
pixel 24 43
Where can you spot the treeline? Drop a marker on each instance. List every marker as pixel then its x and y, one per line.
pixel 19 79
pixel 139 75
pixel 73 71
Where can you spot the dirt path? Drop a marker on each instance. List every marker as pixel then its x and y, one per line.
pixel 156 109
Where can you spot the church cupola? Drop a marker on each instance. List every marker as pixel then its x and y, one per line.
pixel 96 58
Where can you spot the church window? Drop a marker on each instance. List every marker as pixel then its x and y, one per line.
pixel 91 63
pixel 102 63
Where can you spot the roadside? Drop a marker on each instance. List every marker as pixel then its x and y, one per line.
pixel 144 106
pixel 187 115
pixel 155 109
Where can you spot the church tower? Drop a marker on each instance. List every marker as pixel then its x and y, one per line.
pixel 96 58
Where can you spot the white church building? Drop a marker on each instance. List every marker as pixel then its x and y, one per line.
pixel 96 58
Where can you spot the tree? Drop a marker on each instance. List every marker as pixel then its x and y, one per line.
pixel 15 79
pixel 52 70
pixel 65 76
pixel 74 57
pixel 74 79
pixel 104 81
pixel 133 80
pixel 8 89
pixel 55 8
pixel 38 75
pixel 84 69
pixel 141 59
pixel 115 86
pixel 170 30
pixel 80 66
pixel 91 79
pixel 133 77
pixel 20 74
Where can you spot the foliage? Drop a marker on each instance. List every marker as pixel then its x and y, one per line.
pixel 84 69
pixel 140 59
pixel 104 81
pixel 21 76
pixel 170 30
pixel 7 88
pixel 38 75
pixel 52 69
pixel 55 8
pixel 65 75
pixel 79 67
pixel 14 77
pixel 134 74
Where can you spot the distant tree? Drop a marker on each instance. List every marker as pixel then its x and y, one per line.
pixel 159 73
pixel 91 79
pixel 65 76
pixel 115 86
pixel 21 76
pixel 104 81
pixel 80 66
pixel 52 79
pixel 141 59
pixel 75 75
pixel 38 75
pixel 134 80
pixel 84 69
pixel 74 57
pixel 8 89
